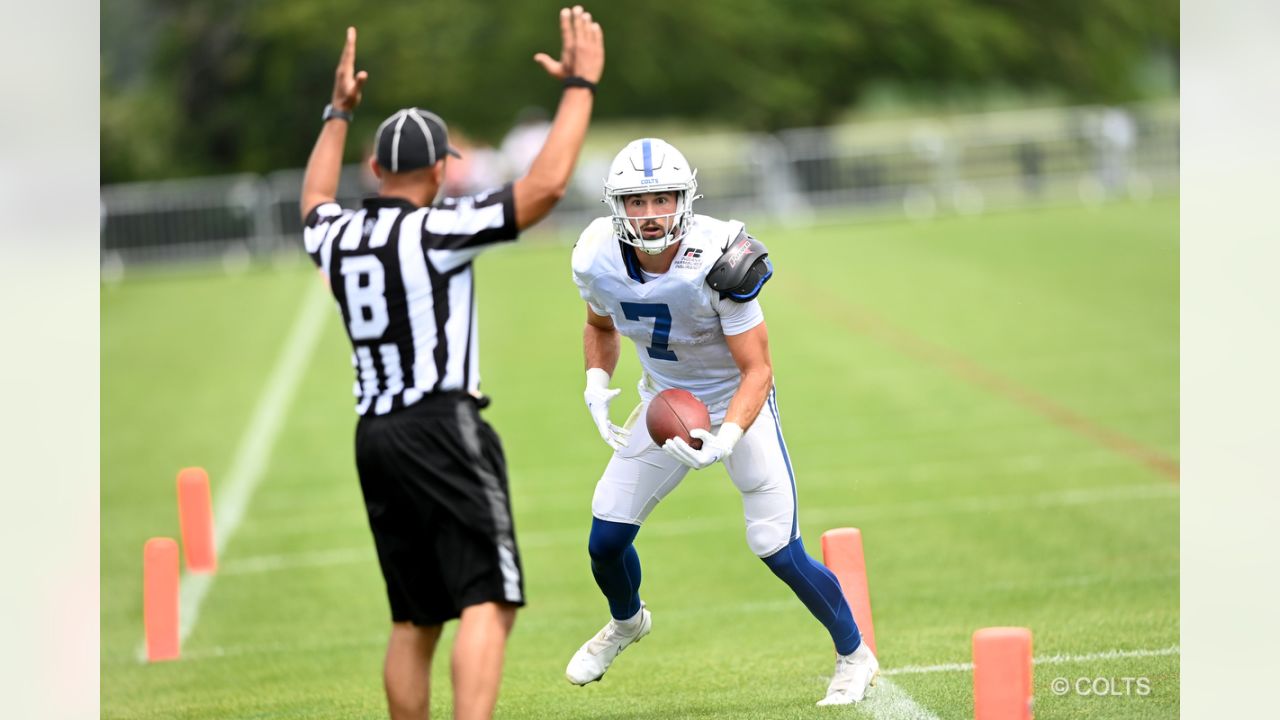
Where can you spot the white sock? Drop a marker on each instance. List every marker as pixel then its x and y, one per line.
pixel 632 623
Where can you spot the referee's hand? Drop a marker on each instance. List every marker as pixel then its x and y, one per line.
pixel 347 83
pixel 581 47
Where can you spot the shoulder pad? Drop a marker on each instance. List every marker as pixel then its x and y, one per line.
pixel 597 234
pixel 742 270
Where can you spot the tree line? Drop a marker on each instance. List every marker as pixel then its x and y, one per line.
pixel 193 87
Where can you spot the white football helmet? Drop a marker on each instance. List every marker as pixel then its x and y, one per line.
pixel 644 166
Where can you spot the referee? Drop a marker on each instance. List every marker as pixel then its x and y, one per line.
pixel 431 470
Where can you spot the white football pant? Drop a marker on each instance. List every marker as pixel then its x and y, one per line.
pixel 640 475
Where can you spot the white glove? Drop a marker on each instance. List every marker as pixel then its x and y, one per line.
pixel 714 447
pixel 598 396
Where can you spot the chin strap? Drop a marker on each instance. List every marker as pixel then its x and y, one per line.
pixel 657 251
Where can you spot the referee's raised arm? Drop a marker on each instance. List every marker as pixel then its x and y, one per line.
pixel 320 183
pixel 579 68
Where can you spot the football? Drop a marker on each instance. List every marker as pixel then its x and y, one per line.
pixel 673 413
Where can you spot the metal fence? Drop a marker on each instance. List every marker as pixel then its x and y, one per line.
pixel 919 168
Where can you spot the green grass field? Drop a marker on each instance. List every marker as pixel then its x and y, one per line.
pixel 993 401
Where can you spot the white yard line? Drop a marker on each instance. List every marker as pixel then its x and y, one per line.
pixel 273 648
pixel 887 701
pixel 254 450
pixel 659 527
pixel 1059 659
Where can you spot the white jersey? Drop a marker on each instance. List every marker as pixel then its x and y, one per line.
pixel 677 322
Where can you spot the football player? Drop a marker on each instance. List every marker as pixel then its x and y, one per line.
pixel 683 287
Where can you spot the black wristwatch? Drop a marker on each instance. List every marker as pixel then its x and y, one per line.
pixel 573 81
pixel 331 113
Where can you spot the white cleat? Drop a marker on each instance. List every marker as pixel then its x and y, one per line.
pixel 854 674
pixel 595 656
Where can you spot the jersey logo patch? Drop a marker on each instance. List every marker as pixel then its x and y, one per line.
pixel 690 260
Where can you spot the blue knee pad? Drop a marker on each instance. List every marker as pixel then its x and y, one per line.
pixel 819 590
pixel 609 540
pixel 615 564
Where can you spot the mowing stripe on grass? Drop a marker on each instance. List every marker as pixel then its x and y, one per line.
pixel 1059 659
pixel 983 504
pixel 378 640
pixel 862 320
pixel 855 514
pixel 828 516
pixel 254 449
pixel 320 558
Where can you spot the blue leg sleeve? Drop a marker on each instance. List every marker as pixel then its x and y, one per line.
pixel 819 590
pixel 616 565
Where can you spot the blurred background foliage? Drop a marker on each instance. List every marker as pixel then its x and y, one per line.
pixel 192 87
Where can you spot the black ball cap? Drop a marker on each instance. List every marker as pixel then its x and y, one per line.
pixel 412 138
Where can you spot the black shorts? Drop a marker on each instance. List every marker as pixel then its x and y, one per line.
pixel 435 486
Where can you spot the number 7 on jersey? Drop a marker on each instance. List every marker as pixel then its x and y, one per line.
pixel 661 314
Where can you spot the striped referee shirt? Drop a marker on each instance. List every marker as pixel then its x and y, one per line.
pixel 403 280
